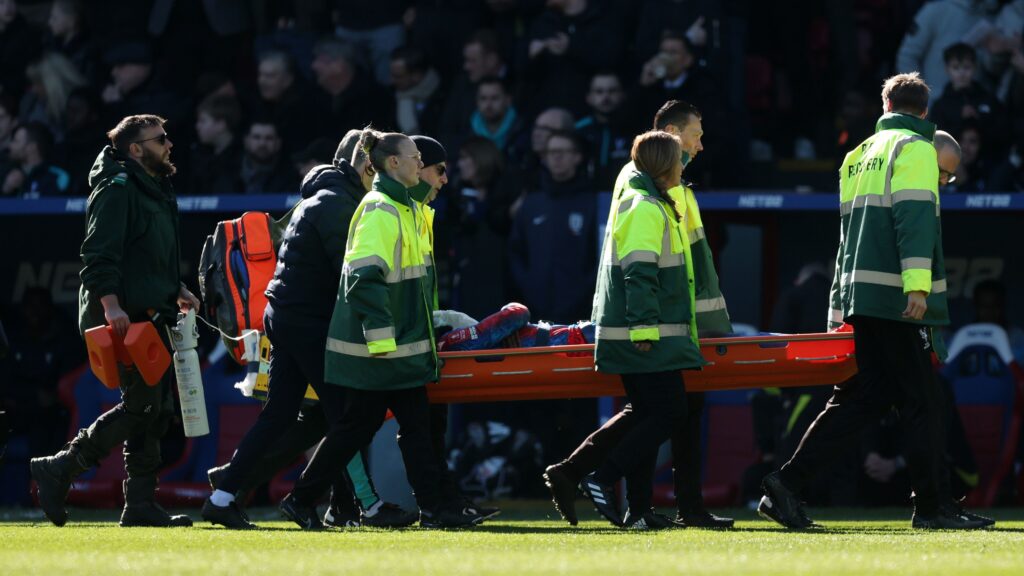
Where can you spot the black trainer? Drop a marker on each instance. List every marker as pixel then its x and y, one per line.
pixel 563 492
pixel 305 516
pixel 701 518
pixel 449 517
pixel 390 516
pixel 958 509
pixel 649 520
pixel 782 506
pixel 947 517
pixel 603 498
pixel 230 516
pixel 485 512
pixel 338 519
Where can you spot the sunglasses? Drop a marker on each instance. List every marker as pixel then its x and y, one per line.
pixel 441 169
pixel 162 139
pixel 951 177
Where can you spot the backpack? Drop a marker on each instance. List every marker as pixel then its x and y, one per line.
pixel 237 264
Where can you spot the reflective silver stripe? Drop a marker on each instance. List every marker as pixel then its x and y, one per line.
pixel 622 333
pixel 648 256
pixel 407 273
pixel 939 286
pixel 362 351
pixel 872 277
pixel 670 260
pixel 379 334
pixel 367 261
pixel 710 304
pixel 836 315
pixel 922 263
pixel 428 260
pixel 892 160
pixel 920 195
pixel 877 200
pixel 696 235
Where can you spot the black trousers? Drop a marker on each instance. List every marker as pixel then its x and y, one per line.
pixel 277 437
pixel 686 454
pixel 658 405
pixel 894 369
pixel 139 421
pixel 354 416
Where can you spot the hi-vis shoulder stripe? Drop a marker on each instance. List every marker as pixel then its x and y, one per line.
pixel 886 279
pixel 664 260
pixel 362 351
pixel 703 305
pixel 622 333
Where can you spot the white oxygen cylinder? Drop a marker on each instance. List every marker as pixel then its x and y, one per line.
pixel 184 339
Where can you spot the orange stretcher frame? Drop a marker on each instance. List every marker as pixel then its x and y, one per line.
pixel 555 372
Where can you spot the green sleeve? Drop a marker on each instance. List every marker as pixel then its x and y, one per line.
pixel 914 183
pixel 103 248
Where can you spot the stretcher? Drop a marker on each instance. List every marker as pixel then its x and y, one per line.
pixel 556 372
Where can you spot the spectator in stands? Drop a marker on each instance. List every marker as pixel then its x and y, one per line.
pixel 216 156
pixel 32 174
pixel 964 98
pixel 285 98
pixel 355 100
pixel 567 44
pixel 936 26
pixel 83 133
pixel 373 30
pixel 51 79
pixel 8 120
pixel 481 58
pixel 417 91
pixel 975 169
pixel 496 118
pixel 557 284
pixel 20 44
pixel 135 89
pixel 531 162
pixel 264 169
pixel 479 204
pixel 68 36
pixel 607 129
pixel 990 306
pixel 672 74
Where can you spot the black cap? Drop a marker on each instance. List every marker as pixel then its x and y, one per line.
pixel 131 52
pixel 432 151
pixel 320 149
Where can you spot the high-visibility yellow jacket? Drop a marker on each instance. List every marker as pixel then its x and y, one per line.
pixel 381 336
pixel 891 236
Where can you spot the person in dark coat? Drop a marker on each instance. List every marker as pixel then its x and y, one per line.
pixel 264 169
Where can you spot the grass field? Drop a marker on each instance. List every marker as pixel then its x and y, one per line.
pixel 526 540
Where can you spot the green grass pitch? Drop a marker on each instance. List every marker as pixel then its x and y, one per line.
pixel 525 540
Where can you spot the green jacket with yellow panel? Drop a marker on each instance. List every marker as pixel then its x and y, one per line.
pixel 891 235
pixel 711 311
pixel 380 336
pixel 645 288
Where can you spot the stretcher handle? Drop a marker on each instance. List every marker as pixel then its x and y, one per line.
pixel 703 342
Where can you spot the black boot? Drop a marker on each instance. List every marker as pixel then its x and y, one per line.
pixel 53 476
pixel 141 509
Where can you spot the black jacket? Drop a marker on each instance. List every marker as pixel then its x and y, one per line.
pixel 305 283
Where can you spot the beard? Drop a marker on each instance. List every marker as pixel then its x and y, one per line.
pixel 156 164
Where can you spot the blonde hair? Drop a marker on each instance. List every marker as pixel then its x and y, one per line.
pixel 58 78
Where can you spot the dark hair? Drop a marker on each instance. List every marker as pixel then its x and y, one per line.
pixel 129 128
pixel 676 113
pixel 378 146
pixel 572 136
pixel 959 52
pixel 414 59
pixel 494 80
pixel 264 121
pixel 973 125
pixel 39 135
pixel 907 92
pixel 657 153
pixel 334 48
pixel 487 40
pixel 490 162
pixel 281 56
pixel 605 72
pixel 224 108
pixel 673 34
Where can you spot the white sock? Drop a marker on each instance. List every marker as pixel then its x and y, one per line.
pixel 372 510
pixel 221 498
